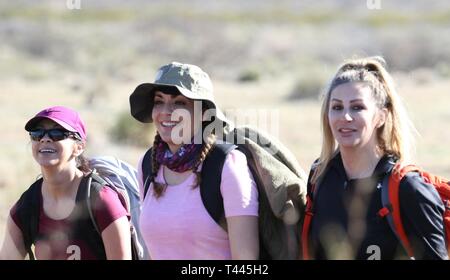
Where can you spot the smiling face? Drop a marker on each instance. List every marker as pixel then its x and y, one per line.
pixel 354 116
pixel 174 119
pixel 49 153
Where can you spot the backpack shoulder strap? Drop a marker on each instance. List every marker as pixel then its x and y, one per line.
pixel 391 203
pixel 146 170
pixel 312 190
pixel 28 209
pixel 93 186
pixel 309 213
pixel 211 175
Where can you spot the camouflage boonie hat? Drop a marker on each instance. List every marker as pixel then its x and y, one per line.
pixel 188 79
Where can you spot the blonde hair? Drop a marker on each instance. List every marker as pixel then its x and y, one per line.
pixel 395 136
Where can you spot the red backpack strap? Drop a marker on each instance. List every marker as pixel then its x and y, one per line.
pixel 307 223
pixel 397 174
pixel 309 211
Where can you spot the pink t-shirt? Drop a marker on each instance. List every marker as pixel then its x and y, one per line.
pixel 177 225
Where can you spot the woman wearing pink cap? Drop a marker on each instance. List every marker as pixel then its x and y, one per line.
pixel 52 214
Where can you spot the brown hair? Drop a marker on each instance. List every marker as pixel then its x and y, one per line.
pixel 83 164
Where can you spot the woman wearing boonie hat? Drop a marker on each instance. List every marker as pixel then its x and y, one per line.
pixel 174 222
pixel 62 230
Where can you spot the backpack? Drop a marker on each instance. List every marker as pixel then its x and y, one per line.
pixel 122 177
pixel 281 186
pixel 391 203
pixel 28 207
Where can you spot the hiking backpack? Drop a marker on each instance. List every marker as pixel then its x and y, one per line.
pixel 391 202
pixel 391 205
pixel 122 177
pixel 281 186
pixel 123 182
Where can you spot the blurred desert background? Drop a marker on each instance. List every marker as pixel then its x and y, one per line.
pixel 261 54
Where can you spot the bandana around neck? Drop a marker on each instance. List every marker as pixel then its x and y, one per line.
pixel 182 160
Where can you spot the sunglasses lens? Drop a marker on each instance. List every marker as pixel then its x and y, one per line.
pixel 37 135
pixel 55 134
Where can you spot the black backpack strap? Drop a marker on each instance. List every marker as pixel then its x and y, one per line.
pixel 211 175
pixel 94 184
pixel 146 170
pixel 91 185
pixel 28 210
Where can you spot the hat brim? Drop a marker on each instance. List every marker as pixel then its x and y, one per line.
pixel 31 124
pixel 141 101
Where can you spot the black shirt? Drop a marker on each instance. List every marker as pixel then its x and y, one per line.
pixel 346 224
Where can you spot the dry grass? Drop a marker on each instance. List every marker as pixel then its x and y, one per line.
pixel 92 59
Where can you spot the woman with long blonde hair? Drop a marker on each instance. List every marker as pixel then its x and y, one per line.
pixel 366 131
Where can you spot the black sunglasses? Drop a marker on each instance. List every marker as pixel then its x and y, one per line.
pixel 56 134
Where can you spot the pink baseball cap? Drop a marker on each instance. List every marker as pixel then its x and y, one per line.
pixel 65 117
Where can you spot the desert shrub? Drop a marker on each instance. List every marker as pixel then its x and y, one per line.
pixel 415 49
pixel 423 76
pixel 443 69
pixel 127 130
pixel 308 86
pixel 249 75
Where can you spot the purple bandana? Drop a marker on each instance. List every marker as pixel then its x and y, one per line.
pixel 183 160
